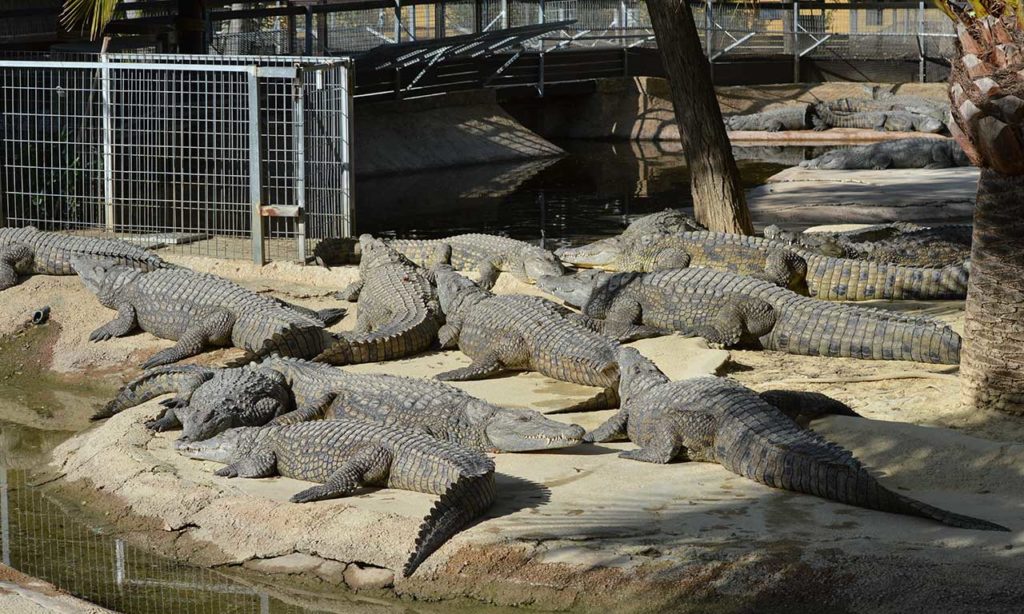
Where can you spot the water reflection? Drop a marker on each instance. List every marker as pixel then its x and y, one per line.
pixel 588 194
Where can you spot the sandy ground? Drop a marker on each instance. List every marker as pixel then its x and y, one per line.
pixel 581 528
pixel 21 594
pixel 797 197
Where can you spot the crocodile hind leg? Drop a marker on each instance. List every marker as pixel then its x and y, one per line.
pixel 738 320
pixel 803 407
pixel 620 331
pixel 124 323
pixel 262 465
pixel 13 258
pixel 168 421
pixel 484 366
pixel 369 465
pixel 488 274
pixel 213 329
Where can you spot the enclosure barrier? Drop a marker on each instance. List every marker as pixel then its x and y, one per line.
pixel 220 156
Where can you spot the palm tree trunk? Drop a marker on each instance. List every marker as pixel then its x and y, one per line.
pixel 718 199
pixel 992 361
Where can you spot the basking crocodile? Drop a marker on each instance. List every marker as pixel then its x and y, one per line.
pixel 823 277
pixel 914 104
pixel 197 310
pixel 281 391
pixel 898 243
pixel 28 250
pixel 502 333
pixel 729 309
pixel 397 310
pixel 488 254
pixel 343 455
pixel 794 117
pixel 902 153
pixel 669 220
pixel 207 401
pixel 892 120
pixel 718 420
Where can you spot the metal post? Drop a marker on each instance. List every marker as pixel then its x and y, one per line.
pixel 920 42
pixel 440 30
pixel 5 518
pixel 505 17
pixel 119 573
pixel 623 22
pixel 540 74
pixel 255 170
pixel 290 26
pixel 108 145
pixel 709 30
pixel 540 11
pixel 347 150
pixel 309 30
pixel 398 21
pixel 796 41
pixel 299 136
pixel 478 15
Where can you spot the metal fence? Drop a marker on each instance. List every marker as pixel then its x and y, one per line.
pixel 221 156
pixel 857 30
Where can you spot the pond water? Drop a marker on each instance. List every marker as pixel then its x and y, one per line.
pixel 590 193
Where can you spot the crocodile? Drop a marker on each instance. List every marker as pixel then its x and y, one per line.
pixel 443 411
pixel 794 117
pixel 207 400
pixel 343 455
pixel 501 333
pixel 806 271
pixel 914 104
pixel 901 153
pixel 28 250
pixel 718 420
pixel 730 309
pixel 669 220
pixel 197 310
pixel 893 121
pixel 489 255
pixel 898 243
pixel 397 310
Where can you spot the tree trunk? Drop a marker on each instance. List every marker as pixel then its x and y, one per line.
pixel 987 102
pixel 992 360
pixel 718 199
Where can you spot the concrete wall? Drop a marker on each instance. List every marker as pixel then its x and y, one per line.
pixel 640 108
pixel 441 131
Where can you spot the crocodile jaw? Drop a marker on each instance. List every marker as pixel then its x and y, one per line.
pixel 599 254
pixel 513 430
pixel 222 449
pixel 573 289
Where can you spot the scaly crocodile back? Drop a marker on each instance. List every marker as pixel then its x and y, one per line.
pixel 683 298
pixel 168 300
pixel 53 251
pixel 468 250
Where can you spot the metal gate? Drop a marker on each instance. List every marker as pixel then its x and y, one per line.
pixel 221 156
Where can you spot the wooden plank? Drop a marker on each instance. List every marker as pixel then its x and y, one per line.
pixel 280 211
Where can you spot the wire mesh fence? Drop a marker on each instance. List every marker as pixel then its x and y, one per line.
pixel 229 156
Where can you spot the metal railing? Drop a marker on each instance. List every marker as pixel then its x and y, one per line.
pixel 221 156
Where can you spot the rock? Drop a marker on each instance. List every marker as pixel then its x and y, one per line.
pixel 368 578
pixel 296 562
pixel 332 571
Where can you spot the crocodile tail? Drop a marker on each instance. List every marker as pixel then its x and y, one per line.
pixel 153 383
pixel 802 461
pixel 464 500
pixel 870 334
pixel 297 341
pixel 840 279
pixel 392 341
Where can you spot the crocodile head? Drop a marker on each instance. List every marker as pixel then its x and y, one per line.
pixel 450 285
pixel 223 448
pixel 923 123
pixel 104 278
pixel 538 262
pixel 374 251
pixel 599 254
pixel 522 430
pixel 574 289
pixel 637 374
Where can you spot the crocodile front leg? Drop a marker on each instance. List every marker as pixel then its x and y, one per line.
pixel 214 329
pixel 620 331
pixel 659 447
pixel 483 367
pixel 168 421
pixel 369 465
pixel 260 465
pixel 351 292
pixel 13 258
pixel 613 428
pixel 314 410
pixel 124 323
pixel 448 334
pixel 489 272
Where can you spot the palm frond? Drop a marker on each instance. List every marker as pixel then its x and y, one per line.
pixel 91 14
